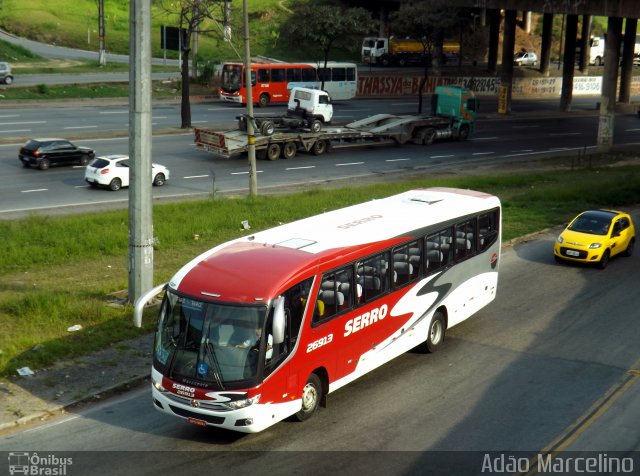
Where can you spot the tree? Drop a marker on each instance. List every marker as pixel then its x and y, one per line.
pixel 325 27
pixel 192 16
pixel 427 22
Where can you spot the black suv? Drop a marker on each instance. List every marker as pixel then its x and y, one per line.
pixel 46 152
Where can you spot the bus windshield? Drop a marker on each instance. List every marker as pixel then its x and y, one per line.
pixel 231 79
pixel 210 342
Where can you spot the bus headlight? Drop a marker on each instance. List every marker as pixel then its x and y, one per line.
pixel 158 386
pixel 238 404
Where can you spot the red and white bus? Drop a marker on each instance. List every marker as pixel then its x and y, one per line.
pixel 266 326
pixel 273 81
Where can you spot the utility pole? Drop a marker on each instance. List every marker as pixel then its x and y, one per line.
pixel 251 139
pixel 140 256
pixel 102 59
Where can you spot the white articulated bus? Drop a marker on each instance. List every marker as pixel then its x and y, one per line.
pixel 266 326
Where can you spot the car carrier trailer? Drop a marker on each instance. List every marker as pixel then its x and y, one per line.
pixel 454 118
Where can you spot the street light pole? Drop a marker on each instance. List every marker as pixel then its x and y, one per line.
pixel 251 138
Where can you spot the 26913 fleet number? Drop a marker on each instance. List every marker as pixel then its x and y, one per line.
pixel 319 343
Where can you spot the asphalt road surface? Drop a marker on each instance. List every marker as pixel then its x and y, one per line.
pixel 534 370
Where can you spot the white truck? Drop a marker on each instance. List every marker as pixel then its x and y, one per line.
pixel 307 108
pixel 453 116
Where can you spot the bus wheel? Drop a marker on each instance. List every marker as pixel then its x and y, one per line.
pixel 273 151
pixel 263 100
pixel 311 395
pixel 319 148
pixel 289 150
pixel 435 338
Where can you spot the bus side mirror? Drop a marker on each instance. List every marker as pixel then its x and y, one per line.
pixel 279 321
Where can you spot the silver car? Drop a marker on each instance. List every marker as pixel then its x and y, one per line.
pixel 525 58
pixel 5 73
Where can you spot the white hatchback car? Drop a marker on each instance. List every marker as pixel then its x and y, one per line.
pixel 112 171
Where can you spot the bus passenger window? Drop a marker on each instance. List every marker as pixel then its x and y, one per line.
pixel 294 75
pixel 373 276
pixel 487 229
pixel 263 75
pixel 465 243
pixel 277 75
pixel 309 74
pixel 437 248
pixel 338 74
pixel 351 74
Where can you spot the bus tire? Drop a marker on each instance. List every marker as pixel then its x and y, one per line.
pixel 273 151
pixel 311 397
pixel 319 147
pixel 435 336
pixel 267 128
pixel 289 150
pixel 263 100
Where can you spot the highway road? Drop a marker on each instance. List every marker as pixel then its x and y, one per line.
pixel 537 369
pixel 195 173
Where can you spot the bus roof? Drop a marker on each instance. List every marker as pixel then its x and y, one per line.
pixel 258 267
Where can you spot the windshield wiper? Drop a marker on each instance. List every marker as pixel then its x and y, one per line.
pixel 209 349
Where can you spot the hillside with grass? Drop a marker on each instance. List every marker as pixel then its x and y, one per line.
pixel 74 23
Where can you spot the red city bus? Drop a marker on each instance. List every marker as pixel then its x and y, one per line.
pixel 266 326
pixel 273 81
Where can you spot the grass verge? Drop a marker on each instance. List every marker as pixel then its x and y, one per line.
pixel 41 92
pixel 60 271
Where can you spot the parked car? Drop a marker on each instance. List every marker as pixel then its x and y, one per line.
pixel 112 171
pixel 5 73
pixel 43 153
pixel 525 58
pixel 595 236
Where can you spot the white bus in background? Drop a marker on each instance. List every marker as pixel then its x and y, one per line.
pixel 266 326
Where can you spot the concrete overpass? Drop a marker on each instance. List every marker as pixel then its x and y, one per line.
pixel 617 12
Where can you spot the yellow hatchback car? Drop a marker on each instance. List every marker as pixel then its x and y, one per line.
pixel 595 236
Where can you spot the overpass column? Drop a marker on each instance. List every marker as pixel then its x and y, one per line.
pixel 506 76
pixel 585 46
pixel 494 39
pixel 609 83
pixel 545 48
pixel 629 44
pixel 569 55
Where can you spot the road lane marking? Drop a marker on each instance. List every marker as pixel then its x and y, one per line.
pixel 441 156
pixel 195 176
pixel 81 127
pixel 584 422
pixel 483 153
pixel 114 112
pixel 16 130
pixel 245 173
pixel 9 115
pixel 484 138
pixel 34 190
pixel 21 123
pixel 560 134
pixel 301 168
pixel 349 163
pixel 396 160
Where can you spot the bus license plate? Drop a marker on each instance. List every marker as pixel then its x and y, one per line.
pixel 198 422
pixel 572 253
